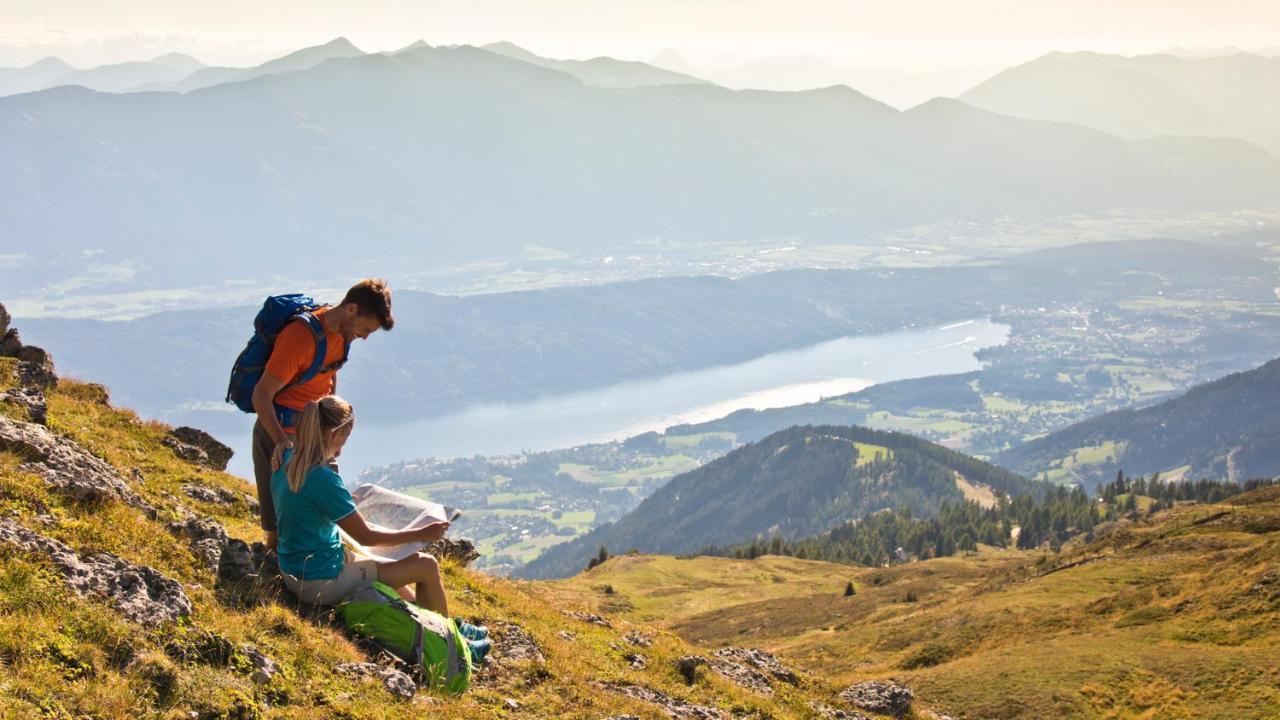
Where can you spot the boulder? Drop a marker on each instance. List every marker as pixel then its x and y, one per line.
pixel 879 696
pixel 760 660
pixel 37 375
pixel 208 539
pixel 190 453
pixel 210 494
pixel 461 551
pixel 216 454
pixel 141 594
pixel 264 668
pixel 66 466
pixel 639 639
pixel 396 682
pixel 31 400
pixel 4 320
pixel 515 643
pixel 10 343
pixel 33 354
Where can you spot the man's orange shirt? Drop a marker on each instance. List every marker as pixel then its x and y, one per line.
pixel 292 355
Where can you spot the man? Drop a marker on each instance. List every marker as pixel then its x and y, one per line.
pixel 365 309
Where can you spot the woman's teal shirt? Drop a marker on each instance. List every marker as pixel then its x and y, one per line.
pixel 310 548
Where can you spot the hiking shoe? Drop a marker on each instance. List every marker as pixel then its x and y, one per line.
pixel 471 632
pixel 479 649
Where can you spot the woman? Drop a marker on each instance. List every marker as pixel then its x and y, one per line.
pixel 311 503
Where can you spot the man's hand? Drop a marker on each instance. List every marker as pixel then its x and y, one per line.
pixel 277 455
pixel 432 532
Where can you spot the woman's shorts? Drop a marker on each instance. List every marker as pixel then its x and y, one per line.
pixel 356 573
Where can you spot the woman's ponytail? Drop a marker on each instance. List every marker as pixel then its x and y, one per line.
pixel 310 449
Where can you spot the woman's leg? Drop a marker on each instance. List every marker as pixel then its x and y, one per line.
pixel 424 572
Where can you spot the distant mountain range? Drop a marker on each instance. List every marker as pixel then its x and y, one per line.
pixel 898 88
pixel 1144 96
pixel 1226 429
pixel 794 483
pixel 119 77
pixel 299 60
pixel 437 155
pixel 601 71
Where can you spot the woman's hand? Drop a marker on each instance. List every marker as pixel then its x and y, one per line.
pixel 432 532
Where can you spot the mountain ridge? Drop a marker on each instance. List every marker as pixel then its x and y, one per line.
pixel 795 482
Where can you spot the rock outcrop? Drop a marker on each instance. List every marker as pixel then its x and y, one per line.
pixel 879 696
pixel 66 466
pixel 141 594
pixel 198 446
pixel 35 365
pixel 396 682
pixel 31 400
pixel 674 707
pixel 208 539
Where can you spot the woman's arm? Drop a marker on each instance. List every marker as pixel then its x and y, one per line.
pixel 355 526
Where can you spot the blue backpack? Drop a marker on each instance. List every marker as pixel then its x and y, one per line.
pixel 277 312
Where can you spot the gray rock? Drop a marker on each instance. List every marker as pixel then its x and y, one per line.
pixel 461 551
pixel 66 466
pixel 747 677
pixel 587 617
pixel 217 455
pixel 637 638
pixel 210 494
pixel 10 343
pixel 674 707
pixel 513 642
pixel 33 354
pixel 4 320
pixel 208 539
pixel 38 375
pixel 511 704
pixel 637 661
pixel 760 660
pixel 264 668
pixel 141 594
pixel 31 400
pixel 879 696
pixel 355 671
pixel 190 453
pixel 398 684
pixel 834 713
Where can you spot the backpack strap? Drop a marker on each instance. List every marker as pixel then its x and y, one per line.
pixel 288 417
pixel 322 347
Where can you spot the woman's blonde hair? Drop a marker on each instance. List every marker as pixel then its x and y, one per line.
pixel 310 448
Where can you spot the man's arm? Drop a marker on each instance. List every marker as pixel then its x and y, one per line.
pixel 264 395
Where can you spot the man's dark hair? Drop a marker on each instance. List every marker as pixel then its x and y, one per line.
pixel 372 297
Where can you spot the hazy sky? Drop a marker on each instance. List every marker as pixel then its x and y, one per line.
pixel 913 35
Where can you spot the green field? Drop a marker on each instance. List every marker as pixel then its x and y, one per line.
pixel 1174 617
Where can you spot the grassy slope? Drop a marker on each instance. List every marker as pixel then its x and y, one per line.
pixel 63 656
pixel 1166 619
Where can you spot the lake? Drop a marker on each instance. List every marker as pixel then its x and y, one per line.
pixel 629 408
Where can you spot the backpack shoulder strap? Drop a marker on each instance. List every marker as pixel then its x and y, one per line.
pixel 322 347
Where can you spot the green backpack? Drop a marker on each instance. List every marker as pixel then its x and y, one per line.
pixel 416 635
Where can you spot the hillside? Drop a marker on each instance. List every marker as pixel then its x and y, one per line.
pixel 1173 616
pixel 1144 96
pixel 441 156
pixel 793 483
pixel 125 593
pixel 1224 429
